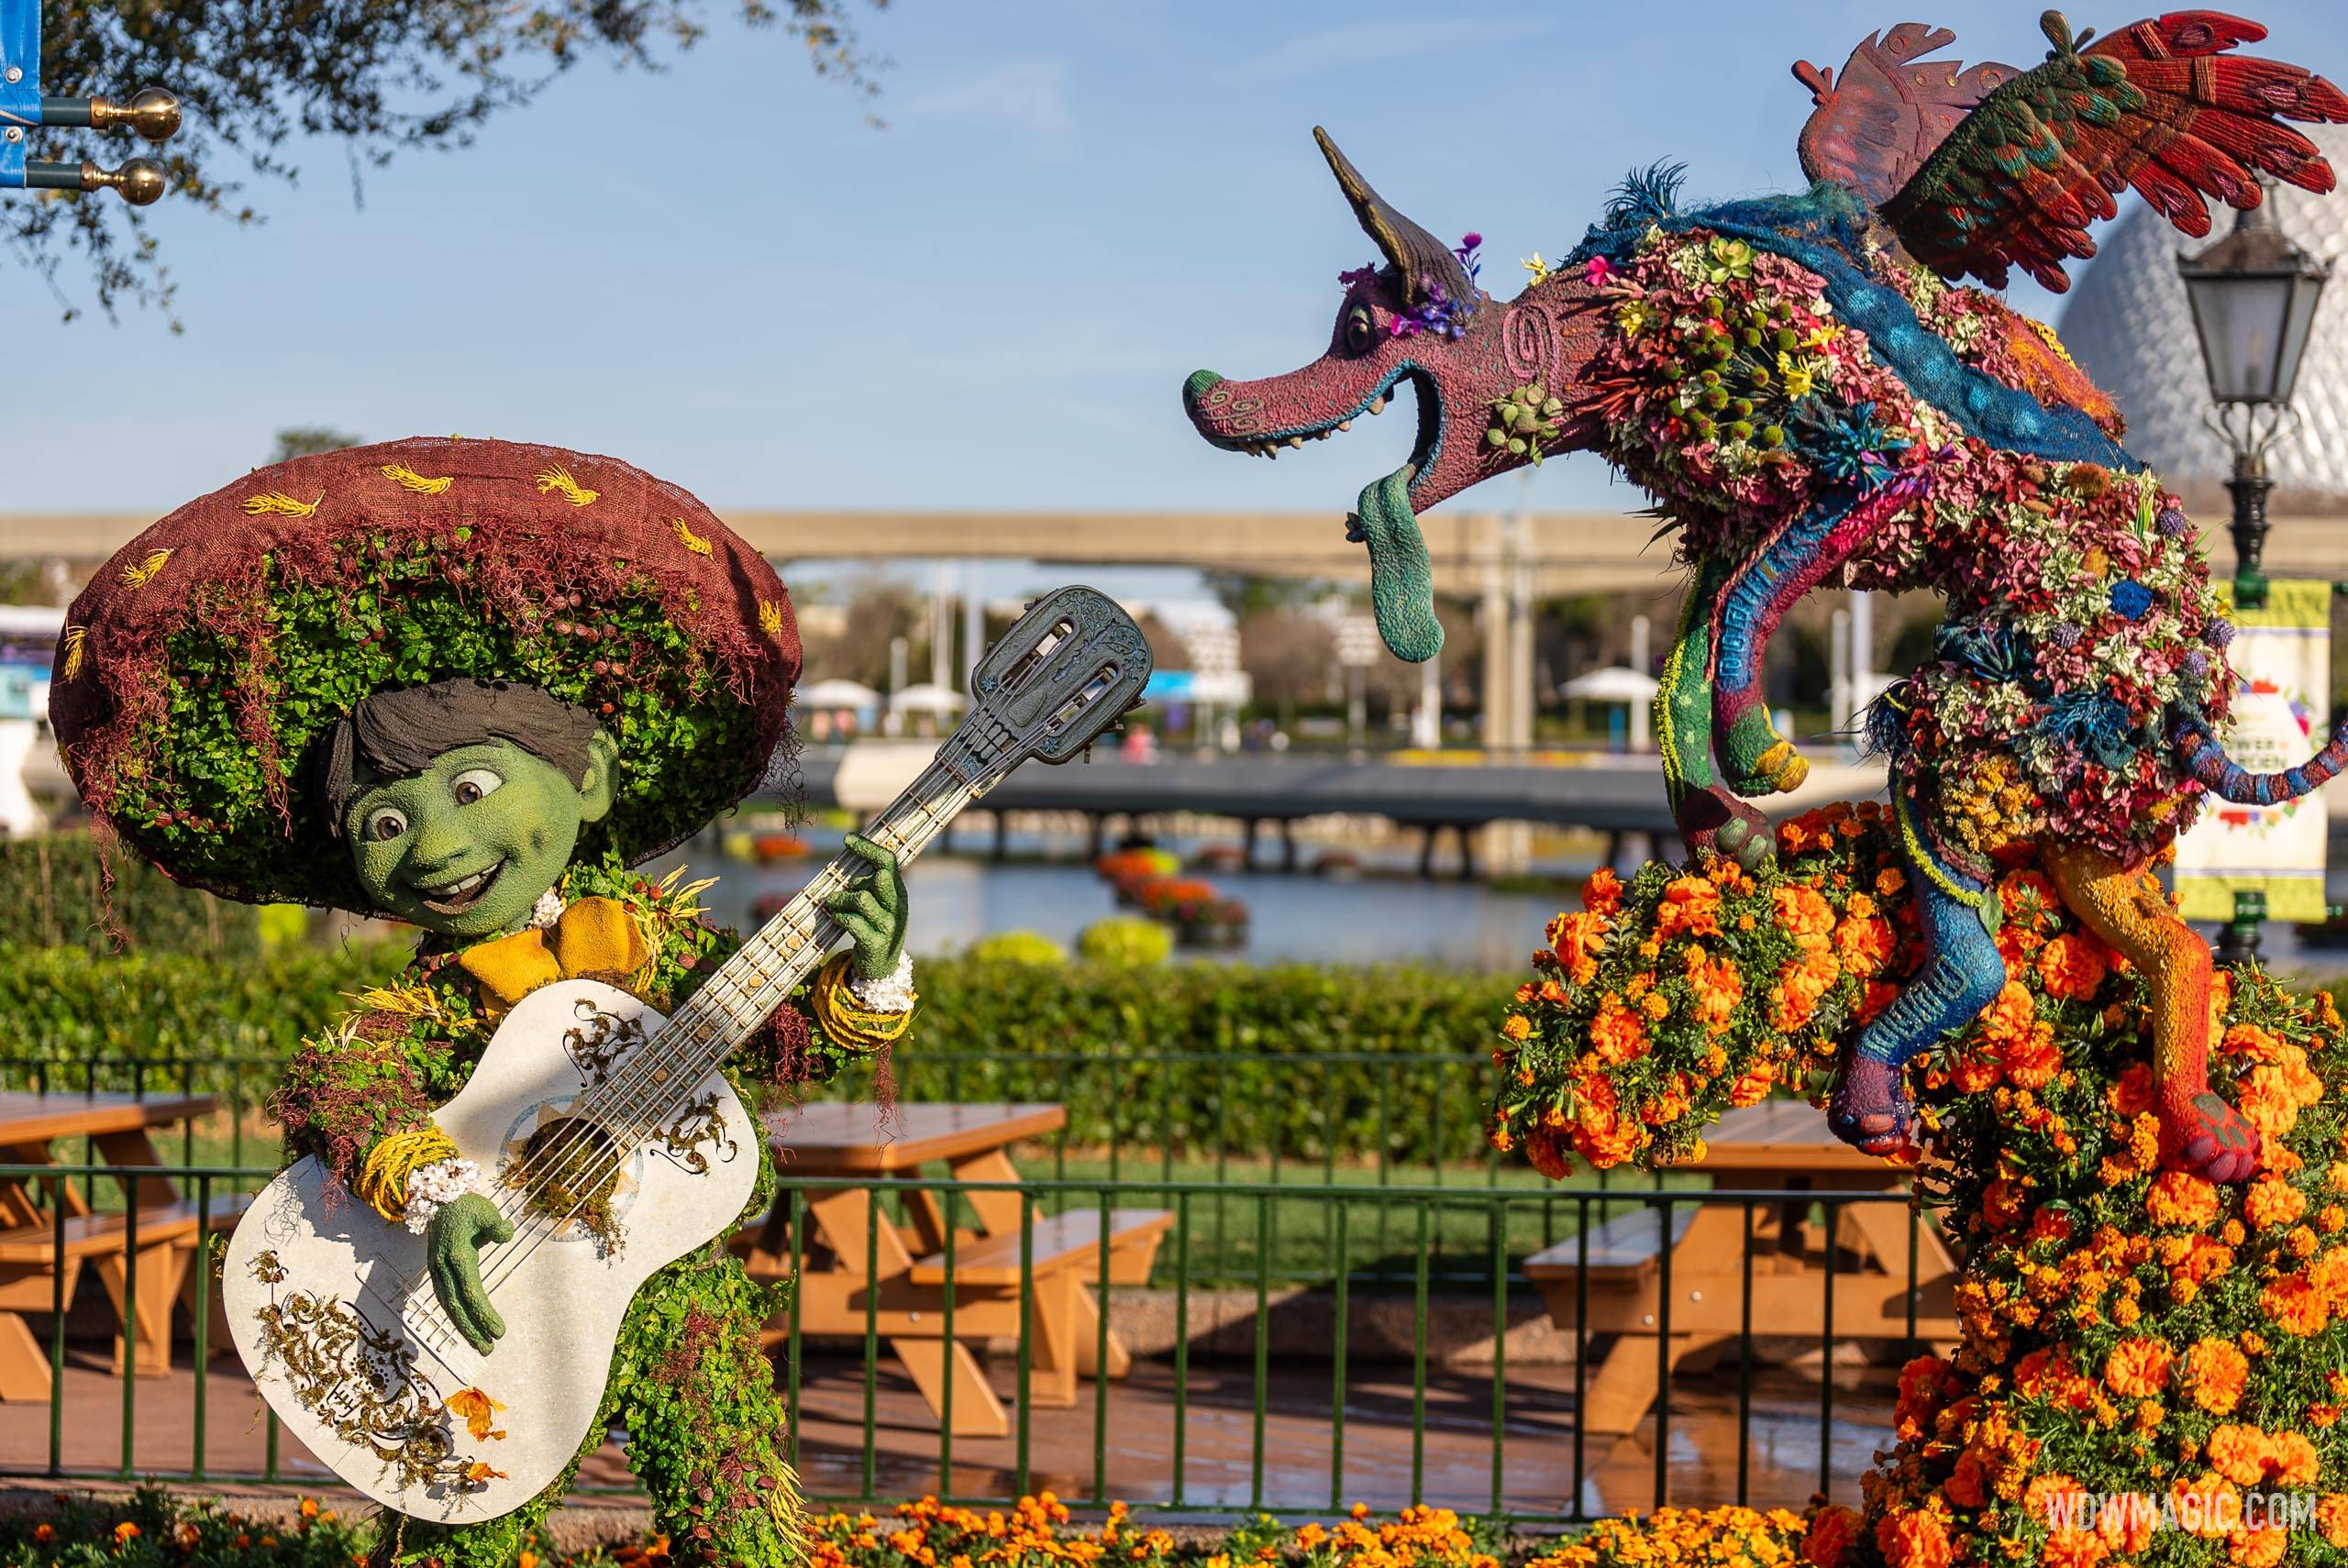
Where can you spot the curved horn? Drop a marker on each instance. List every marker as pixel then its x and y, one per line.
pixel 1419 256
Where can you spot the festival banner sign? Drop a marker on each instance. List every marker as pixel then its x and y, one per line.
pixel 2282 661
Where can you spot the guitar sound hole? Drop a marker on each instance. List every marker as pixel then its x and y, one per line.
pixel 569 1169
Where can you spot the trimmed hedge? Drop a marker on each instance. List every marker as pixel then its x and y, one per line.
pixel 67 1004
pixel 1305 1060
pixel 53 887
pixel 1279 1039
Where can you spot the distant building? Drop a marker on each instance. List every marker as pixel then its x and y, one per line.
pixel 2127 323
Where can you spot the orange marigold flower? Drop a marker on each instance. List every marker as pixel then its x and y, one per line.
pixel 1516 1026
pixel 1830 1537
pixel 1616 1032
pixel 1804 914
pixel 1690 905
pixel 1912 1538
pixel 2180 1197
pixel 2239 1453
pixel 2260 1548
pixel 2073 965
pixel 2131 1095
pixel 2011 1016
pixel 2137 1367
pixel 2270 1202
pixel 1602 894
pixel 1576 938
pixel 1865 945
pixel 2291 1460
pixel 2126 1521
pixel 2295 1305
pixel 2331 1518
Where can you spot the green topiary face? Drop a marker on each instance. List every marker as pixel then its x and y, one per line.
pixel 466 847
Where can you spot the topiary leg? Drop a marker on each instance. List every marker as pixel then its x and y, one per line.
pixel 1711 820
pixel 1963 974
pixel 2200 1132
pixel 705 1423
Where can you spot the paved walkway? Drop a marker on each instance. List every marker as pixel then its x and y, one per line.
pixel 1219 1438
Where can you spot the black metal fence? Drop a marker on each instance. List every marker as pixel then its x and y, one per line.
pixel 1211 1416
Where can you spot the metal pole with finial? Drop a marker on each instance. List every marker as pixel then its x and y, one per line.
pixel 152 113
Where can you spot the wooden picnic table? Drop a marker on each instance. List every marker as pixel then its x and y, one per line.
pixel 909 1263
pixel 1776 1146
pixel 34 1270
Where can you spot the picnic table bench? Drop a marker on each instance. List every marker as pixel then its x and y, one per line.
pixel 1777 1146
pixel 910 1272
pixel 42 1253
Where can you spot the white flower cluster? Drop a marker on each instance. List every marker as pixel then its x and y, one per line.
pixel 891 992
pixel 430 1187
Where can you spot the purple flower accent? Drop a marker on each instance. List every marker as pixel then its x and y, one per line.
pixel 2131 600
pixel 1598 272
pixel 2195 664
pixel 2174 523
pixel 2219 634
pixel 1360 275
pixel 1436 313
pixel 2064 634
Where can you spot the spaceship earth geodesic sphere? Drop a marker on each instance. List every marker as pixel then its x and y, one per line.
pixel 2128 324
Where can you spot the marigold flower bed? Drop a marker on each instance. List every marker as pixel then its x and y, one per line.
pixel 2139 1337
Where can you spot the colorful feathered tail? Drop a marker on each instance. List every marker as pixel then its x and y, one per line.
pixel 2206 761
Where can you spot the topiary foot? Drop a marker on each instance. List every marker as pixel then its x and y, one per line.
pixel 1870 1111
pixel 1757 759
pixel 2209 1138
pixel 1714 821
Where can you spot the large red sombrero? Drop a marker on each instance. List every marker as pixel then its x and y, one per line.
pixel 202 665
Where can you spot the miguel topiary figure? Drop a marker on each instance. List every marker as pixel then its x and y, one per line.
pixel 468 685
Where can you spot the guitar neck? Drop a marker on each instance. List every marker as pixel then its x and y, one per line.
pixel 735 1002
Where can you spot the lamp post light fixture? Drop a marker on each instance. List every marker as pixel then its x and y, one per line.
pixel 2253 295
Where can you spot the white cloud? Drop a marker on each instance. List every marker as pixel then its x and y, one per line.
pixel 1374 43
pixel 1030 94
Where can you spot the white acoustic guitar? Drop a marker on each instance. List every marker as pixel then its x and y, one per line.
pixel 331 1307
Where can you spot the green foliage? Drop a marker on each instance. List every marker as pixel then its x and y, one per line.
pixel 64 1004
pixel 1018 947
pixel 53 888
pixel 380 78
pixel 1301 1059
pixel 1121 941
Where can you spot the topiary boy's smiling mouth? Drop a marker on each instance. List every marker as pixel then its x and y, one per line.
pixel 455 898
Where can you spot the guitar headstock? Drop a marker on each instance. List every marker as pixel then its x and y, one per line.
pixel 1069 668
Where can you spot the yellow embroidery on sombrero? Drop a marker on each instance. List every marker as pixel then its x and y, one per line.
pixel 770 618
pixel 282 504
pixel 74 645
pixel 409 479
pixel 558 478
pixel 688 538
pixel 141 573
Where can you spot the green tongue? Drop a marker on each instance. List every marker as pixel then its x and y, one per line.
pixel 1401 582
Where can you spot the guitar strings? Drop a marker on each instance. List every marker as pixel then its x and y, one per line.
pixel 680 1081
pixel 762 1000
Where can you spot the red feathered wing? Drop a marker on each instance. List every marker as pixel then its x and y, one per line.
pixel 1877 122
pixel 2162 106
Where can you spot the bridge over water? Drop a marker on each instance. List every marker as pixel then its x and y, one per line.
pixel 1431 792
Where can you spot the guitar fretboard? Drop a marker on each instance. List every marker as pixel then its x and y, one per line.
pixel 735 1002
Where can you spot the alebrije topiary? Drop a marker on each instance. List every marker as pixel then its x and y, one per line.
pixel 203 664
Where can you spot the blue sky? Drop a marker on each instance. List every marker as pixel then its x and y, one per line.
pixel 720 272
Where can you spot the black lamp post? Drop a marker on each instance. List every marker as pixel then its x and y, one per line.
pixel 2254 295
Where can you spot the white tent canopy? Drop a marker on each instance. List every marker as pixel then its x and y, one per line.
pixel 925 697
pixel 839 694
pixel 1612 684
